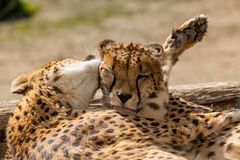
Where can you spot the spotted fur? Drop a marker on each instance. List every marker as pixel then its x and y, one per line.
pixel 172 121
pixel 164 128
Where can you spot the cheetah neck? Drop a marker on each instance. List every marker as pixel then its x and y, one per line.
pixel 35 112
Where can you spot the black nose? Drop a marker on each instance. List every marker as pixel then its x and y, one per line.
pixel 124 97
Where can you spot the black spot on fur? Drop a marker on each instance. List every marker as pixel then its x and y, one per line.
pixel 174 103
pixel 27 140
pixel 145 130
pixel 222 143
pixel 229 147
pixel 174 131
pixel 180 111
pixel 76 156
pixel 55 135
pixel 57 89
pixel 32 130
pixel 17 117
pixel 64 139
pixel 49 157
pixel 176 120
pixel 210 154
pixel 153 95
pixel 20 128
pixel 25 113
pixel 55 147
pixel 154 124
pixel 46 110
pixel 100 143
pixel 40 148
pixel 109 130
pixel 93 138
pixel 20 107
pixel 34 145
pixel 55 113
pixel 154 106
pixel 150 119
pixel 58 130
pixel 46 117
pixel 195 122
pixel 89 57
pixel 210 143
pixel 172 115
pixel 66 130
pixel 50 141
pixel 164 126
pixel 70 125
pixel 42 118
pixel 43 139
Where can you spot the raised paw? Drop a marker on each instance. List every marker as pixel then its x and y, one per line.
pixel 194 28
pixel 189 33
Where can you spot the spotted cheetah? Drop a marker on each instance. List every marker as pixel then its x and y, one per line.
pixel 42 126
pixel 134 81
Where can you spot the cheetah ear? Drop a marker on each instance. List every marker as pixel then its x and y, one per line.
pixel 104 45
pixel 20 84
pixel 157 47
pixel 89 57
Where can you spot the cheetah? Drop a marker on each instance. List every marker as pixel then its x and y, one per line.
pixel 134 81
pixel 42 126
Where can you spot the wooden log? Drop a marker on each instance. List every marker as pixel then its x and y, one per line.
pixel 207 93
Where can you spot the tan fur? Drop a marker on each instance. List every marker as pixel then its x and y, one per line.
pixel 189 126
pixel 42 126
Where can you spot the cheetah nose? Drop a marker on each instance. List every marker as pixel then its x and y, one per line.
pixel 124 97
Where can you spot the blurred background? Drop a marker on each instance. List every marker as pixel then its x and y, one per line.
pixel 35 32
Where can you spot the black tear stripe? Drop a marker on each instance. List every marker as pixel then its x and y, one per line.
pixel 138 77
pixel 114 62
pixel 138 91
pixel 113 83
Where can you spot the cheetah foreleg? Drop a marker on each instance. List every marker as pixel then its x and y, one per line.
pixel 182 38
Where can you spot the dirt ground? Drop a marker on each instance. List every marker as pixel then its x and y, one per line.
pixel 72 29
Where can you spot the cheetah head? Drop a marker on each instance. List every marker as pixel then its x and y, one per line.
pixel 131 76
pixel 71 81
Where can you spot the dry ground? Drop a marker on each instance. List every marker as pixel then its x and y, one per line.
pixel 72 29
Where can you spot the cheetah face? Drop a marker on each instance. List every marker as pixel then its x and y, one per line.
pixel 131 74
pixel 73 81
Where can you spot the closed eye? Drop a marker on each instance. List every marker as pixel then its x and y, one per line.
pixel 108 78
pixel 143 76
